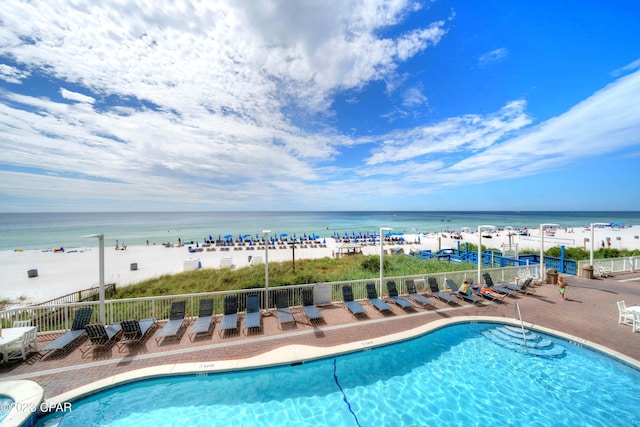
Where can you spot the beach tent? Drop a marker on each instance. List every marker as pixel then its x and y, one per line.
pixel 349 248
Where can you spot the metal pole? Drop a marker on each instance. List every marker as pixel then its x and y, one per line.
pixel 592 238
pixel 480 228
pixel 542 268
pixel 382 230
pixel 266 266
pixel 101 295
pixel 541 250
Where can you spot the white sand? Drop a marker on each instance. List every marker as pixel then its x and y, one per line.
pixel 60 273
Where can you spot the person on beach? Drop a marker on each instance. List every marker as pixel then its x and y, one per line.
pixel 562 287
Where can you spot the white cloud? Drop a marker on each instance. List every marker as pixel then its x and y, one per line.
pixel 203 90
pixel 493 56
pixel 75 96
pixel 12 74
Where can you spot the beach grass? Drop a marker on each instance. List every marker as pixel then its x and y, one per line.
pixel 282 273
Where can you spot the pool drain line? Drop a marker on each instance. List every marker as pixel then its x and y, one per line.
pixel 344 396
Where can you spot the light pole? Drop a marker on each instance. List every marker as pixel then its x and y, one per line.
pixel 542 227
pixel 593 225
pixel 382 230
pixel 100 238
pixel 480 228
pixel 266 265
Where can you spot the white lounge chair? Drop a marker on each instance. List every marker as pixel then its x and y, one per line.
pixel 21 348
pixel 624 316
pixel 636 321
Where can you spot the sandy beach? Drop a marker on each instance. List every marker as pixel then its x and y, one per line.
pixel 60 273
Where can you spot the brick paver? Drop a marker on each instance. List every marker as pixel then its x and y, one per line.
pixel 590 312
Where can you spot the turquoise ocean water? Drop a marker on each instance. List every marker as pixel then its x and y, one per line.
pixel 52 230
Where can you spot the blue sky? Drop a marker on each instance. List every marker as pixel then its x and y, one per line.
pixel 316 105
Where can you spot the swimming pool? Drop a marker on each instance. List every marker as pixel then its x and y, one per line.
pixel 6 403
pixel 452 376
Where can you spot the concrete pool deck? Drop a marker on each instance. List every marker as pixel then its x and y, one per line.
pixel 590 314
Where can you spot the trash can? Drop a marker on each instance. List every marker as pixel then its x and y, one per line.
pixel 587 272
pixel 134 266
pixel 552 276
pixel 32 273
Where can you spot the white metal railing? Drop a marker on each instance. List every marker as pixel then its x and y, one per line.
pixel 55 318
pixel 606 266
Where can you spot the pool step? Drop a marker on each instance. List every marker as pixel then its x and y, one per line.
pixel 511 338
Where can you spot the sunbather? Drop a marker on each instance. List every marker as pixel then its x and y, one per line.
pixel 487 291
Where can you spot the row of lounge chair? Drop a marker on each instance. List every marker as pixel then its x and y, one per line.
pixel 132 332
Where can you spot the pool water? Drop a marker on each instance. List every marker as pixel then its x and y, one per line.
pixel 452 376
pixel 5 407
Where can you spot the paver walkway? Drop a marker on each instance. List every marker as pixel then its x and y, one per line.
pixel 590 312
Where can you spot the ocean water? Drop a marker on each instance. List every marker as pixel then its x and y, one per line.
pixel 53 230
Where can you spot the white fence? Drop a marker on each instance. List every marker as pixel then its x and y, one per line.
pixel 55 318
pixel 605 266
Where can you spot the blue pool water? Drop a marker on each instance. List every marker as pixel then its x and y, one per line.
pixel 5 407
pixel 452 376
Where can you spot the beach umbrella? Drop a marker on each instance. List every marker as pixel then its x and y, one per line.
pixel 197 246
pixel 228 236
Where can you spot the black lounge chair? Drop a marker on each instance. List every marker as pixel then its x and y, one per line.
pixel 488 281
pixel 310 310
pixel 136 332
pixel 511 286
pixel 414 295
pixel 252 318
pixel 230 317
pixel 101 337
pixel 176 322
pixel 353 306
pixel 204 322
pixel 372 295
pixel 436 292
pixel 283 312
pixel 470 297
pixel 527 286
pixel 393 295
pixel 71 338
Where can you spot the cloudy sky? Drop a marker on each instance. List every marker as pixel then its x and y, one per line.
pixel 132 105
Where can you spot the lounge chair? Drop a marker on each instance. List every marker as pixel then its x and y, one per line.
pixel 489 294
pixel 204 322
pixel 252 318
pixel 414 295
pixel 393 295
pixel 230 317
pixel 624 316
pixel 136 332
pixel 176 322
pixel 510 286
pixel 283 312
pixel 71 338
pixel 500 289
pixel 353 306
pixel 101 337
pixel 436 292
pixel 372 295
pixel 29 341
pixel 470 297
pixel 527 286
pixel 311 312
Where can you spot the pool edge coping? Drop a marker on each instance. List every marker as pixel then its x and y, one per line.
pixel 289 354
